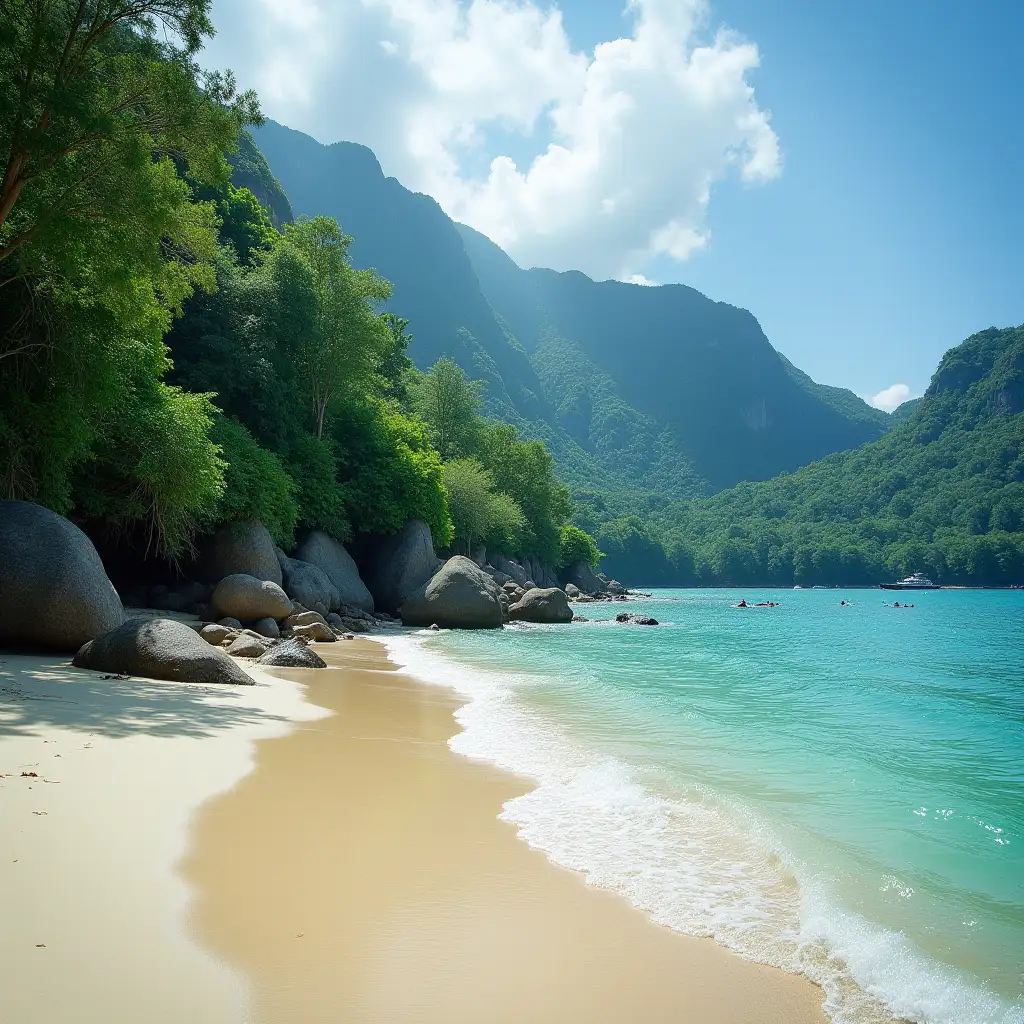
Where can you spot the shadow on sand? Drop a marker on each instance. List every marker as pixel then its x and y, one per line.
pixel 46 691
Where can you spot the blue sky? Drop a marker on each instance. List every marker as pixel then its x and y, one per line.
pixel 865 158
pixel 895 228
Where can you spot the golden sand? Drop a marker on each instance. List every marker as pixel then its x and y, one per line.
pixel 360 873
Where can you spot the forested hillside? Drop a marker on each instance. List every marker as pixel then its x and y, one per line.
pixel 642 394
pixel 178 352
pixel 943 493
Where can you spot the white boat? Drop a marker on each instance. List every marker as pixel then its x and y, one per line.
pixel 918 581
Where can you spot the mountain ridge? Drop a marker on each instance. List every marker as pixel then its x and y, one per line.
pixel 646 394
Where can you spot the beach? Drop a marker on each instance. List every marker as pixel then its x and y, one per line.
pixel 308 851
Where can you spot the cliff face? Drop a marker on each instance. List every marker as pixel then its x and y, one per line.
pixel 660 390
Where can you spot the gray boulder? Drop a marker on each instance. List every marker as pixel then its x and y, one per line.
pixel 160 649
pixel 240 548
pixel 572 591
pixel 310 586
pixel 267 627
pixel 513 570
pixel 54 591
pixel 316 631
pixel 541 605
pixel 215 634
pixel 247 646
pixel 292 654
pixel 635 619
pixel 330 556
pixel 249 599
pixel 459 596
pixel 305 618
pixel 584 578
pixel 229 622
pixel 402 565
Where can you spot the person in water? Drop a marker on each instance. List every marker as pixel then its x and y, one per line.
pixel 743 603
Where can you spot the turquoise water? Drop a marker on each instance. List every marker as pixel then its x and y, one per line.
pixel 836 790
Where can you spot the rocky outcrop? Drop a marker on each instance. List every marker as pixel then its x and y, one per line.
pixel 248 599
pixel 459 596
pixel 240 548
pixel 54 591
pixel 160 649
pixel 584 579
pixel 292 654
pixel 402 564
pixel 315 631
pixel 572 591
pixel 547 604
pixel 310 586
pixel 267 627
pixel 214 633
pixel 330 556
pixel 245 645
pixel 636 620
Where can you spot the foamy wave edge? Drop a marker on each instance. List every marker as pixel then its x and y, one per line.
pixel 593 814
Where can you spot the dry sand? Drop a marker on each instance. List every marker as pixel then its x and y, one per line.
pixel 92 907
pixel 361 874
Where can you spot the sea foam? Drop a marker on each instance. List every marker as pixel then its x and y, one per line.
pixel 693 862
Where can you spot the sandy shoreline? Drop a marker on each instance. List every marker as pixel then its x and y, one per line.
pixel 304 853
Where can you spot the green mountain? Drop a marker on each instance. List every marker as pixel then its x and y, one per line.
pixel 642 394
pixel 942 492
pixel 702 372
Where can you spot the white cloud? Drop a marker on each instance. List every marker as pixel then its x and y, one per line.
pixel 890 398
pixel 640 279
pixel 627 142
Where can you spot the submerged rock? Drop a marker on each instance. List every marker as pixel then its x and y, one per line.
pixel 541 605
pixel 54 591
pixel 160 649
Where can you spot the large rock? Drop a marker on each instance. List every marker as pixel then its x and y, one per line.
pixel 54 592
pixel 584 578
pixel 310 586
pixel 244 548
pixel 161 649
pixel 330 557
pixel 292 654
pixel 249 599
pixel 246 646
pixel 459 596
pixel 403 564
pixel 513 570
pixel 541 605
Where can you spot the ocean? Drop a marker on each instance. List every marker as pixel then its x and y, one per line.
pixel 836 790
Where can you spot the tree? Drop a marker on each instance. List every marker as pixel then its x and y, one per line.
pixel 95 96
pixel 447 402
pixel 470 489
pixel 576 545
pixel 349 339
pixel 396 365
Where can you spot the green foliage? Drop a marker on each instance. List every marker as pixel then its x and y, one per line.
pixel 448 402
pixel 942 493
pixel 155 468
pixel 576 545
pixel 391 473
pixel 349 341
pixel 321 499
pixel 257 486
pixel 469 487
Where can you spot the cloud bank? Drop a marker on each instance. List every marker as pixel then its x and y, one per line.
pixel 622 146
pixel 890 398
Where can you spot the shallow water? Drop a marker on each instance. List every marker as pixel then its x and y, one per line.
pixel 836 790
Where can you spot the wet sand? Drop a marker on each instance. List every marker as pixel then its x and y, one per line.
pixel 360 874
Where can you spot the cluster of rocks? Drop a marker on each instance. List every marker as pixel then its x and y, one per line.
pixel 252 601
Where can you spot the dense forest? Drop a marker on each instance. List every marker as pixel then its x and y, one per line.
pixel 942 493
pixel 177 352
